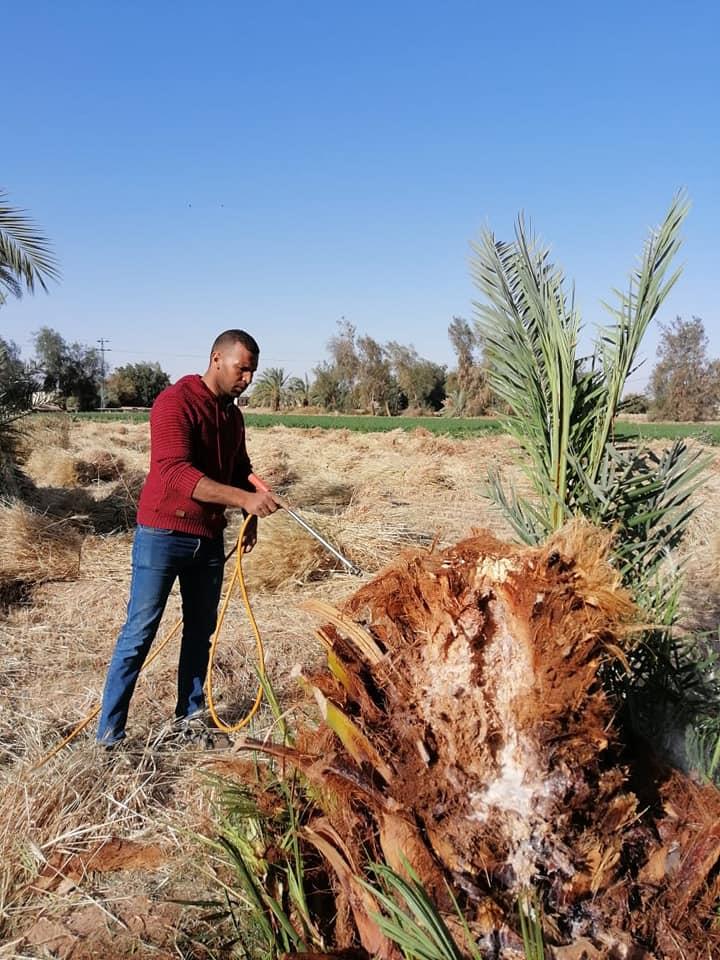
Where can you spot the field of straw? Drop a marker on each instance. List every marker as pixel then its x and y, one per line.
pixel 97 857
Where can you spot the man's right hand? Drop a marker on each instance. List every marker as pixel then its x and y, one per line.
pixel 261 504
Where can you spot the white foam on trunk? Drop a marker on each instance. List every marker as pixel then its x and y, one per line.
pixel 520 786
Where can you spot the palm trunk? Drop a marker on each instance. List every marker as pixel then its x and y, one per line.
pixel 465 734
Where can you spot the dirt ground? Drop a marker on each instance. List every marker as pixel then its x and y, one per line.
pixel 97 857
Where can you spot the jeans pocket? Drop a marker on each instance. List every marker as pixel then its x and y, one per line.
pixel 160 531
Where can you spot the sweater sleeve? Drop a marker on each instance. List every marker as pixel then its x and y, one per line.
pixel 243 467
pixel 171 443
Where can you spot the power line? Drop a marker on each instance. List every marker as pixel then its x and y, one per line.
pixel 102 341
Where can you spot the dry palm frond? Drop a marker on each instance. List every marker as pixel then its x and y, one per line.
pixel 40 431
pixel 362 640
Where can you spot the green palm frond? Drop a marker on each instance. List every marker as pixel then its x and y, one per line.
pixel 563 406
pixel 562 414
pixel 409 917
pixel 530 328
pixel 649 285
pixel 531 930
pixel 26 259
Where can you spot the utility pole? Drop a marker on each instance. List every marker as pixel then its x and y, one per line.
pixel 102 341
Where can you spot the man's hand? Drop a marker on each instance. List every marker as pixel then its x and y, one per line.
pixel 250 537
pixel 260 504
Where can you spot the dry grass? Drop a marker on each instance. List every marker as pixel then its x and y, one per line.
pixel 99 466
pixel 275 469
pixel 36 548
pixel 373 496
pixel 42 431
pixel 52 467
pixel 285 554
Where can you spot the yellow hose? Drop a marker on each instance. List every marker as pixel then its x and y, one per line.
pixel 238 578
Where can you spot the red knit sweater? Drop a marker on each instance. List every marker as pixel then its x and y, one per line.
pixel 193 434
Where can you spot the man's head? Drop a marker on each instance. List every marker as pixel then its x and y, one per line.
pixel 233 361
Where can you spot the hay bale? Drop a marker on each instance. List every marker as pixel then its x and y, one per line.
pixel 51 466
pixel 55 466
pixel 99 466
pixel 41 431
pixel 117 510
pixel 35 548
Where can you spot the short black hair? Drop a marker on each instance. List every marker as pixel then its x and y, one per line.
pixel 228 337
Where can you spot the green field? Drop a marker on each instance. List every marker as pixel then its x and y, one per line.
pixel 705 432
pixel 460 427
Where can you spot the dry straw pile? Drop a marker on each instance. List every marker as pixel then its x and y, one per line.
pixel 52 466
pixel 286 555
pixel 35 548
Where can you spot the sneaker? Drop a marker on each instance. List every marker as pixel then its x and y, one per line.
pixel 195 731
pixel 113 754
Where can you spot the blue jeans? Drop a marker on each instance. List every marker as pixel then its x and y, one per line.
pixel 158 557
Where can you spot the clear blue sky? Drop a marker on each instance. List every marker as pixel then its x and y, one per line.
pixel 278 165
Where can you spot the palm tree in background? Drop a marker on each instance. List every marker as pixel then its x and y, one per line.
pixel 270 389
pixel 298 391
pixel 26 259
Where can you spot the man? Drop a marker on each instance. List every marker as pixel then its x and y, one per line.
pixel 198 467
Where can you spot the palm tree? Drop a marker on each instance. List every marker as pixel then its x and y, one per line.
pixel 270 388
pixel 563 406
pixel 298 390
pixel 26 259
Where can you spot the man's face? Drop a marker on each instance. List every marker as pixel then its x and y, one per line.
pixel 234 369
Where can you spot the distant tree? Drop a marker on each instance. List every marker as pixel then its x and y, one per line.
pixel 378 390
pixel 270 389
pixel 72 369
pixel 422 382
pixel 51 356
pixel 298 391
pixel 635 403
pixel 26 260
pixel 462 340
pixel 685 384
pixel 16 381
pixel 335 383
pixel 468 390
pixel 12 367
pixel 328 390
pixel 136 384
pixel 363 373
pixel 344 354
